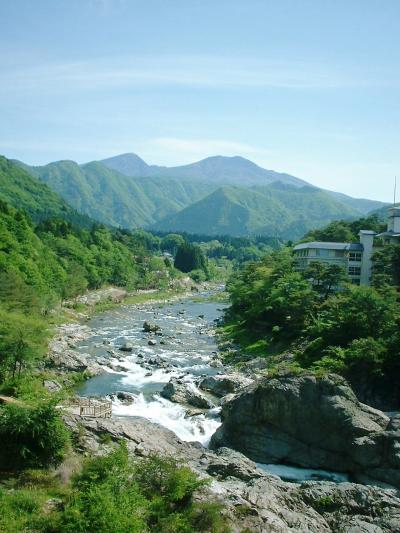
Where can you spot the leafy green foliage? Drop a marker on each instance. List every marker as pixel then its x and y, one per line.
pixel 41 265
pixel 325 278
pixel 190 257
pixel 386 266
pixel 270 298
pixel 114 494
pixel 22 342
pixel 344 230
pixel 31 436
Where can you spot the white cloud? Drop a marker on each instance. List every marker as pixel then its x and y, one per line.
pixel 192 71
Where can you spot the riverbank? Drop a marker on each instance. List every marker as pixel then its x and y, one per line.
pixel 254 499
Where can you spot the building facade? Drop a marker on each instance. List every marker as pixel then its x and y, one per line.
pixel 356 259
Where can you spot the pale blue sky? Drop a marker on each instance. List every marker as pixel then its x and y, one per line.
pixel 309 87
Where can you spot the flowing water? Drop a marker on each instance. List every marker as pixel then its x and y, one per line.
pixel 188 350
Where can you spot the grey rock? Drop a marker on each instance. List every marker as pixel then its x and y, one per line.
pixel 124 397
pixel 221 385
pixel 126 347
pixel 314 423
pixel 62 355
pixel 52 386
pixel 152 342
pixel 149 327
pixel 180 392
pixel 253 500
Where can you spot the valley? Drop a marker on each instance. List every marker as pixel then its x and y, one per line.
pixel 216 196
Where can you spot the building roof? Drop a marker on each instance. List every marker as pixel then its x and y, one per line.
pixel 366 232
pixel 389 234
pixel 319 245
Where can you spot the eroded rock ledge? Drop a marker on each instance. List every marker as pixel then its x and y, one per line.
pixel 314 423
pixel 254 501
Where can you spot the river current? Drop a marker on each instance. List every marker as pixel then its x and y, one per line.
pixel 186 345
pixel 187 348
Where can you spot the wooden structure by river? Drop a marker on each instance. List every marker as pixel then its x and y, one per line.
pixel 90 407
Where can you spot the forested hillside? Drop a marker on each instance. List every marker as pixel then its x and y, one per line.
pixel 277 210
pixel 20 189
pixel 115 199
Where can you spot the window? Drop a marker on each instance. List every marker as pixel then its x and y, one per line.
pixel 355 256
pixel 339 253
pixel 355 281
pixel 354 271
pixel 322 252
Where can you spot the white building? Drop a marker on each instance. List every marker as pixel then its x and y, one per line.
pixel 355 258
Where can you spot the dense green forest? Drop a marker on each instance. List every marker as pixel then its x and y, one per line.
pixel 295 320
pixel 345 230
pixel 237 250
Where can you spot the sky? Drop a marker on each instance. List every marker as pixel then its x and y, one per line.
pixel 308 87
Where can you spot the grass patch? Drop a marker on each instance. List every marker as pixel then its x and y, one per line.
pixel 29 500
pixel 248 344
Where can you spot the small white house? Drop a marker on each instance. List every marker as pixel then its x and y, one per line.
pixel 355 258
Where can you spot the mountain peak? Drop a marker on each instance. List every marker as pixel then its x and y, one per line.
pixel 217 169
pixel 129 164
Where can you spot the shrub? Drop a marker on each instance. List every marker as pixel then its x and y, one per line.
pixel 31 436
pixel 115 494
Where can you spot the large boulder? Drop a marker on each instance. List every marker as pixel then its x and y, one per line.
pixel 178 391
pixel 314 423
pixel 221 385
pixel 149 327
pixel 127 398
pixel 126 347
pixel 253 500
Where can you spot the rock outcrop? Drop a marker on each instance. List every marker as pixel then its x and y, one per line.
pixel 148 327
pixel 110 294
pixel 314 423
pixel 253 500
pixel 221 385
pixel 62 355
pixel 126 347
pixel 178 391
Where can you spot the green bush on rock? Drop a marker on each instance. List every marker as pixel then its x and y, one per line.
pixel 31 436
pixel 116 494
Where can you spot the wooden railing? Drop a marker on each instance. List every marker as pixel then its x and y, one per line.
pixel 92 407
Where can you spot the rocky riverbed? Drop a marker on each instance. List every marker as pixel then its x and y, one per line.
pixel 160 366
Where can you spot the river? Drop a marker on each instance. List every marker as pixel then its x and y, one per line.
pixel 187 345
pixel 187 349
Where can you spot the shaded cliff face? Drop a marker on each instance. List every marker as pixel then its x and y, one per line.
pixel 314 423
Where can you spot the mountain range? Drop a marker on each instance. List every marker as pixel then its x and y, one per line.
pixel 218 195
pixel 218 170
